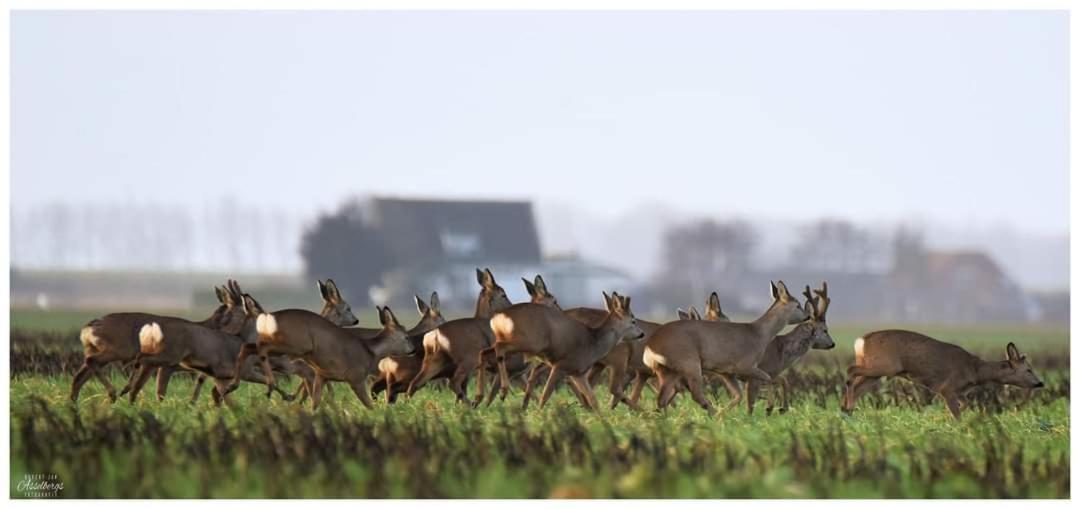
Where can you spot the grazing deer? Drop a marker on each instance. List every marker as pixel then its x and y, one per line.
pixel 396 371
pixel 681 351
pixel 452 349
pixel 333 352
pixel 210 352
pixel 944 368
pixel 115 337
pixel 784 350
pixel 568 346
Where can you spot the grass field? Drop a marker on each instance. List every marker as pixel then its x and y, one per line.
pixel 893 446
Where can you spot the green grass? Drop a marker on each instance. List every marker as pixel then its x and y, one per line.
pixel 430 446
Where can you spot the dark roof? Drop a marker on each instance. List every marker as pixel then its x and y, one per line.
pixel 437 231
pixel 945 262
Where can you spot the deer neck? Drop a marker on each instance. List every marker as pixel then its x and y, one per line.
pixel 985 371
pixel 604 338
pixel 771 322
pixel 211 321
pixel 794 344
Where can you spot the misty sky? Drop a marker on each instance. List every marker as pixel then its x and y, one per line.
pixel 953 117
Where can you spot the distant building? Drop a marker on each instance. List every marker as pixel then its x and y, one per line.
pixel 438 244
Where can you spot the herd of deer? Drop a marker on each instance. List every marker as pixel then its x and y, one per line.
pixel 242 342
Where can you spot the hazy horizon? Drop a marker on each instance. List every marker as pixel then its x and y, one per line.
pixel 957 120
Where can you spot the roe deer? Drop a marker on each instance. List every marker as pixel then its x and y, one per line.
pixel 568 346
pixel 396 371
pixel 944 368
pixel 206 351
pixel 681 351
pixel 452 349
pixel 784 350
pixel 115 337
pixel 333 352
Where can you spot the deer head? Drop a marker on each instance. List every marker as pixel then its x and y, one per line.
pixel 430 314
pixel 392 339
pixel 816 307
pixel 1015 370
pixel 539 293
pixel 787 307
pixel 229 315
pixel 335 308
pixel 492 298
pixel 621 320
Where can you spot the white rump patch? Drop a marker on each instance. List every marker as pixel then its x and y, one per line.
pixel 431 341
pixel 266 325
pixel 88 338
pixel 443 341
pixel 653 359
pixel 859 342
pixel 387 365
pixel 502 325
pixel 150 338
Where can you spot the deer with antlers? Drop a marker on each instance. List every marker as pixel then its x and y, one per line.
pixel 681 351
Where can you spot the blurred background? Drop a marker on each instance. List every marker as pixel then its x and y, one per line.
pixel 918 162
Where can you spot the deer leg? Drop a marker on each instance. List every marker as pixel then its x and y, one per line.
pixel 268 372
pixel 483 360
pixel 534 376
pixel 694 382
pixel 316 392
pixel 783 395
pixel 504 377
pixel 429 368
pixel 732 386
pixel 81 376
pixel 594 373
pixel 952 401
pixel 753 388
pixel 553 379
pixel 245 350
pixel 615 384
pixel 388 382
pixel 857 386
pixel 216 394
pixel 667 381
pixel 359 387
pixel 163 375
pixel 639 385
pixel 199 380
pixel 144 375
pixel 582 385
pixel 458 383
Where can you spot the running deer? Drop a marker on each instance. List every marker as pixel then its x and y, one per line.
pixel 680 351
pixel 452 349
pixel 333 352
pixel 944 368
pixel 786 349
pixel 625 359
pixel 115 338
pixel 568 346
pixel 209 352
pixel 396 371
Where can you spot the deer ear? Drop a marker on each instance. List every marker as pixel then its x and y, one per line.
pixel 626 303
pixel 421 306
pixel 234 288
pixel 386 317
pixel 540 284
pixel 322 289
pixel 1011 353
pixel 332 290
pixel 220 296
pixel 694 315
pixel 251 307
pixel 782 292
pixel 480 276
pixel 435 302
pixel 683 315
pixel 772 289
pixel 714 302
pixel 529 287
pixel 607 302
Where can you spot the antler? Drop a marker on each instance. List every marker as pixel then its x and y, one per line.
pixel 812 302
pixel 823 294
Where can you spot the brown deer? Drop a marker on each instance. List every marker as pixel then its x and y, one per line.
pixel 681 351
pixel 115 337
pixel 452 349
pixel 568 346
pixel 786 349
pixel 944 368
pixel 396 371
pixel 626 357
pixel 333 352
pixel 209 352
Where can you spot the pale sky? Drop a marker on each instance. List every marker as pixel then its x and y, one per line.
pixel 955 117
